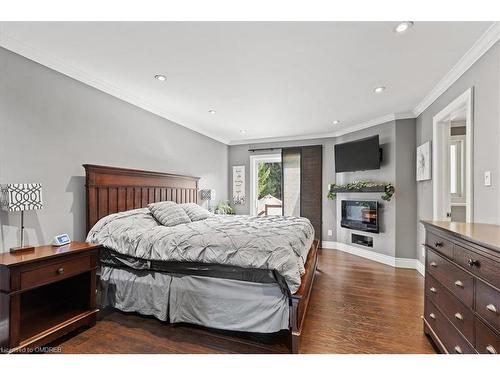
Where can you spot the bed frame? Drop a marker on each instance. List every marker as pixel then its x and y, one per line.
pixel 110 190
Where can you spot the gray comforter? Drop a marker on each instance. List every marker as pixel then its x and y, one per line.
pixel 274 242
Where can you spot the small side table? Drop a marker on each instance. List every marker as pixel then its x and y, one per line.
pixel 46 293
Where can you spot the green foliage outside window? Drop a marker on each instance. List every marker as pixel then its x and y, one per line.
pixel 270 179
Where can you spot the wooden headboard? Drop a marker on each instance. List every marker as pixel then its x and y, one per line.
pixel 110 190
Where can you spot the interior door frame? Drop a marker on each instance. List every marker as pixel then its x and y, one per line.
pixel 440 146
pixel 254 170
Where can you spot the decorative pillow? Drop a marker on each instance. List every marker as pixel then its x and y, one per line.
pixel 169 213
pixel 195 212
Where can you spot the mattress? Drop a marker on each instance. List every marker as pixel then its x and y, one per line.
pixel 207 301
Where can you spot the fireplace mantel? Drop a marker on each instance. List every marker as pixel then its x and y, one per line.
pixel 374 189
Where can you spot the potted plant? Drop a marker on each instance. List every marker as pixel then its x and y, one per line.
pixel 223 208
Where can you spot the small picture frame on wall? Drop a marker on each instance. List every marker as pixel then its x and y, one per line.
pixel 424 161
pixel 239 197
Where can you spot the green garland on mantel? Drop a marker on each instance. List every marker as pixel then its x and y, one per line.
pixel 360 185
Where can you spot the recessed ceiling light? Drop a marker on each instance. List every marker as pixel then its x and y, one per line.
pixel 403 26
pixel 336 122
pixel 211 111
pixel 379 89
pixel 160 77
pixel 243 131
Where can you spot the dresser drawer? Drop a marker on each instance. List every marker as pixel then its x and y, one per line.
pixel 488 303
pixel 487 341
pixel 440 244
pixel 478 264
pixel 459 282
pixel 54 271
pixel 451 307
pixel 453 341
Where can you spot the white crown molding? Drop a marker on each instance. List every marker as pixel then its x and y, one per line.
pixel 52 62
pixel 478 49
pixel 377 257
pixel 342 131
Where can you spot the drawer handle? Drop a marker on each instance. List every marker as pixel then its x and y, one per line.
pixel 458 349
pixel 459 284
pixel 434 264
pixel 438 244
pixel 490 349
pixel 60 271
pixel 491 307
pixel 433 290
pixel 473 263
pixel 459 316
pixel 433 316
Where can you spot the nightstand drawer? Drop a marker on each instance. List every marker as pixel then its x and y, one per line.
pixel 54 271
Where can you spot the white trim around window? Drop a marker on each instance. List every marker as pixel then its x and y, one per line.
pixel 254 161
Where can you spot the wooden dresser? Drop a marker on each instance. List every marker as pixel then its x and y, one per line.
pixel 462 287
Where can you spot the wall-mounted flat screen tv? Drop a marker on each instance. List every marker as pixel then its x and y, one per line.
pixel 359 155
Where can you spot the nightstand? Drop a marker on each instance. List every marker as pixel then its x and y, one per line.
pixel 46 293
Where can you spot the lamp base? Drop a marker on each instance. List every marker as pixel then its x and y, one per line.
pixel 24 248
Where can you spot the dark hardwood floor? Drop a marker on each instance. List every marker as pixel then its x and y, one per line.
pixel 357 306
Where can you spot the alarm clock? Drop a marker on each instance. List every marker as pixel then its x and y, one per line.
pixel 61 239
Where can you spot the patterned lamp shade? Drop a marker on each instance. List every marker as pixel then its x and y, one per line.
pixel 21 197
pixel 207 194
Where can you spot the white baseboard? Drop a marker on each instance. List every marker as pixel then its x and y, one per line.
pixel 420 267
pixel 381 258
pixel 377 257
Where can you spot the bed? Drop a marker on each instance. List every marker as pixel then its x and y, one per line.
pixel 242 292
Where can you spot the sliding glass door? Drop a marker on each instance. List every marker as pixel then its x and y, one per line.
pixel 288 184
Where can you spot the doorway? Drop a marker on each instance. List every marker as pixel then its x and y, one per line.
pixel 295 191
pixel 453 161
pixel 266 185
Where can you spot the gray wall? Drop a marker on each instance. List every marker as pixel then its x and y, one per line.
pixel 51 124
pixel 406 188
pixel 484 77
pixel 396 160
pixel 383 242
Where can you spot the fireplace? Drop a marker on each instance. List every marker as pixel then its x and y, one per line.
pixel 360 215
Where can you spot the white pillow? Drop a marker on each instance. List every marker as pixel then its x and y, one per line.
pixel 195 212
pixel 169 213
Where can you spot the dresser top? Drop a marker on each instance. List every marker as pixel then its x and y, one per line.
pixel 43 253
pixel 487 235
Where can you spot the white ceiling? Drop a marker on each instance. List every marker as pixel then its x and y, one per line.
pixel 273 80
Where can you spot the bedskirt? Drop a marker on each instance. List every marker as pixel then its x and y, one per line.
pixel 219 303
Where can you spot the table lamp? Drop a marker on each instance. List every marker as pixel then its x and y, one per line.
pixel 207 195
pixel 21 197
